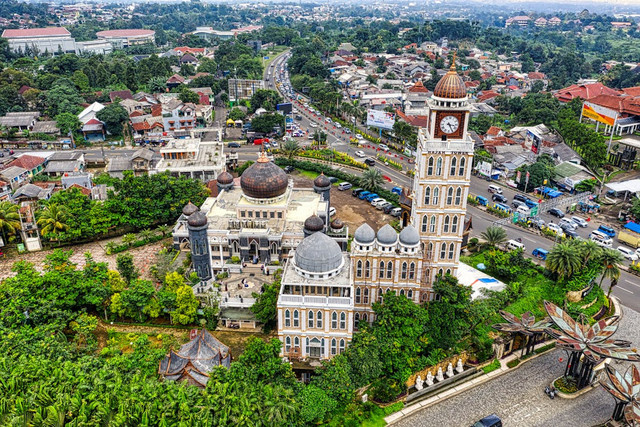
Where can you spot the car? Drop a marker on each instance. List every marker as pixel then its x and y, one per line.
pixel 360 137
pixel 289 169
pixel 388 208
pixel 396 190
pixel 517 203
pixel 489 421
pixel 338 126
pixel 566 223
pixel 313 124
pixel 555 228
pixel 607 230
pixel 347 131
pixel 383 147
pixel 581 222
pixel 369 162
pixel 363 194
pixel 298 117
pixel 356 192
pixel 344 186
pixel 332 211
pixel 369 197
pixel 266 145
pixel 328 120
pixel 383 206
pixel 556 212
pixel 377 200
pixel 628 253
pixel 496 189
pixel 540 253
pixel 520 197
pixel 233 145
pixel 396 212
pixel 514 245
pixel 386 178
pixel 571 234
pixel 360 153
pixel 332 179
pixel 499 198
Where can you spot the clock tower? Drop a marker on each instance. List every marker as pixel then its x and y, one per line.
pixel 442 175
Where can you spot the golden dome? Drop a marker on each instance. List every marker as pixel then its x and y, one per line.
pixel 451 85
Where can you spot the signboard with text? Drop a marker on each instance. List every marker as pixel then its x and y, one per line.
pixel 599 114
pixel 380 119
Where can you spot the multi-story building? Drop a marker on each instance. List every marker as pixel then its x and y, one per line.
pixel 129 37
pixel 40 40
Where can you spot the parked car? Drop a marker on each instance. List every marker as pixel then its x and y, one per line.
pixel 396 190
pixel 363 194
pixel 628 253
pixel 347 131
pixel 395 212
pixel 382 206
pixel 537 222
pixel 371 196
pixel 520 197
pixel 298 117
pixel 332 211
pixel 356 192
pixel 489 421
pixel 499 198
pixel 233 145
pixel 338 126
pixel 289 169
pixel 566 223
pixel 555 228
pixel 369 162
pixel 496 189
pixel 358 136
pixel 571 234
pixel 581 222
pixel 387 209
pixel 556 212
pixel 344 186
pixel 377 203
pixel 517 203
pixel 607 230
pixel 360 153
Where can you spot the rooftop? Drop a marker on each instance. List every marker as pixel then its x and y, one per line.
pixel 35 32
pixel 125 33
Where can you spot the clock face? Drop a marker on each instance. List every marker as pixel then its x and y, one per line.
pixel 449 124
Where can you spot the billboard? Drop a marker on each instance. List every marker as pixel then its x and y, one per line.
pixel 535 141
pixel 285 108
pixel 599 114
pixel 380 119
pixel 243 88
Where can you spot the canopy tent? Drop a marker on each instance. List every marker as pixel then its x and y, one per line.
pixel 230 123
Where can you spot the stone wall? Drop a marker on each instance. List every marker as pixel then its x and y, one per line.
pixel 434 369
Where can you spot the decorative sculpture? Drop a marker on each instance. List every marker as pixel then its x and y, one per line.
pixel 419 383
pixel 439 375
pixel 626 390
pixel 429 378
pixel 526 326
pixel 459 367
pixel 450 370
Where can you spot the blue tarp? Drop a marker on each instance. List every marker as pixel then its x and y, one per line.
pixel 633 227
pixel 550 192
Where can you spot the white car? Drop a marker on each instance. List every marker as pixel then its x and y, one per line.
pixel 332 211
pixel 555 228
pixel 566 222
pixel 581 222
pixel 383 147
pixel 360 153
pixel 313 124
pixel 360 137
pixel 377 200
pixel 628 253
pixel 338 126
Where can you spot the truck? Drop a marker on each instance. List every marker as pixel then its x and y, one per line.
pixel 630 234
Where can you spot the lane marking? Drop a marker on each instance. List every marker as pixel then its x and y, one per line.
pixel 623 289
pixel 631 283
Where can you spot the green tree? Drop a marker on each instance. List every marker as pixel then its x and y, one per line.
pixel 290 148
pixel 173 281
pixel 187 95
pixel 68 122
pixel 264 306
pixel 371 179
pixel 126 267
pixel 610 260
pixel 564 260
pixel 237 114
pixel 129 238
pixel 450 315
pixel 157 85
pixel 81 81
pixel 114 117
pixel 62 97
pixel 494 236
pixel 265 123
pixel 186 306
pixel 402 130
pixel 265 98
pixel 53 219
pixel 9 219
pixel 84 325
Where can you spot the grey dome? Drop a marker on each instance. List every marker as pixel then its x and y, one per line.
pixel 318 253
pixel 314 223
pixel 189 209
pixel 337 224
pixel 197 219
pixel 409 236
pixel 364 234
pixel 387 235
pixel 322 181
pixel 225 178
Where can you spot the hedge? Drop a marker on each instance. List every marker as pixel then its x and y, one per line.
pixel 123 247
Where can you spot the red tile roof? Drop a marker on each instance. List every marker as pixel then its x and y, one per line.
pixel 585 91
pixel 493 131
pixel 536 76
pixel 140 126
pixel 125 33
pixel 487 95
pixel 632 91
pixel 36 32
pixel 156 110
pixel 27 162
pixel 82 189
pixel 418 88
pixel 187 49
pixel 93 122
pixel 416 121
pixel 622 104
pixel 122 94
pixel 136 113
pixel 176 78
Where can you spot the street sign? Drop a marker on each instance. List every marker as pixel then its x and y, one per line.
pixel 534 211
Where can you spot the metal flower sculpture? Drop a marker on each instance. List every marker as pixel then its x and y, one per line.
pixel 625 388
pixel 592 341
pixel 526 325
pixel 632 413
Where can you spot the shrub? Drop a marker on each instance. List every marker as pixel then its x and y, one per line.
pixel 472 201
pixel 566 385
pixel 386 390
pixel 498 212
pixel 235 259
pixel 513 363
pixel 544 348
pixel 494 365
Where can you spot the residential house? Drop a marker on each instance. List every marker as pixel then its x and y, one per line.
pixel 493 132
pixel 61 163
pixel 82 179
pixel 520 21
pixel 120 94
pixel 33 192
pixel 33 164
pixel 141 162
pixel 193 158
pixel 177 115
pixel 19 121
pixel 94 130
pixel 175 81
pixel 5 190
pixel 15 176
pixel 90 112
pixel 189 60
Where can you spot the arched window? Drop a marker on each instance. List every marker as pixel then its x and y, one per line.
pixel 410 294
pixel 451 250
pixel 440 271
pixel 425 223
pixel 287 342
pixel 430 166
pixel 427 195
pixel 454 224
pixel 296 319
pixel 439 166
pixel 445 229
pixel 448 271
pixel 287 318
pixel 450 196
pixel 432 226
pixel 430 251
pixel 365 317
pixel 358 292
pixel 341 346
pixel 310 319
pixel 458 195
pixel 367 269
pixel 274 248
pixel 296 342
pixel 319 320
pixel 403 272
pixel 359 269
pixel 401 291
pixel 412 271
pixel 334 320
pixel 389 270
pixel 443 251
pixel 334 347
pixel 452 172
pixel 436 194
pixel 366 295
pixel 461 168
pixel 343 321
pixel 381 270
pixel 356 319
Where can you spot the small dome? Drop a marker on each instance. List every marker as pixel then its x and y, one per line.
pixel 409 236
pixel 225 178
pixel 318 253
pixel 189 209
pixel 387 235
pixel 314 223
pixel 322 181
pixel 197 219
pixel 364 234
pixel 264 180
pixel 451 85
pixel 337 224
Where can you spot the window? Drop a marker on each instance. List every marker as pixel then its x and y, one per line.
pixel 359 269
pixel 427 195
pixel 458 195
pixel 242 214
pixel 450 196
pixel 296 342
pixel 367 269
pixel 412 271
pixel 356 319
pixel 287 318
pixel 439 166
pixel 365 317
pixel 334 320
pixel 403 273
pixel 436 194
pixel 425 221
pixel 381 270
pixel 358 292
pixel 445 229
pixel 310 320
pixel 366 295
pixel 440 271
pixel 448 271
pixel 250 214
pixel 461 168
pixel 454 224
pixel 319 320
pixel 410 294
pixel 273 214
pixel 451 250
pixel 287 342
pixel 402 292
pixel 430 251
pixel 296 319
pixel 343 321
pixel 341 346
pixel 452 172
pixel 430 166
pixel 280 215
pixel 443 251
pixel 389 270
pixel 432 226
pixel 333 347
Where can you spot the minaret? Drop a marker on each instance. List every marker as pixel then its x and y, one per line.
pixel 197 225
pixel 322 186
pixel 443 172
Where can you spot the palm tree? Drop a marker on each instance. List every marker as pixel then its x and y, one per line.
pixel 371 179
pixel 53 218
pixel 291 148
pixel 589 250
pixel 9 218
pixel 164 229
pixel 157 84
pixel 610 260
pixel 494 236
pixel 146 234
pixel 564 260
pixel 129 239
